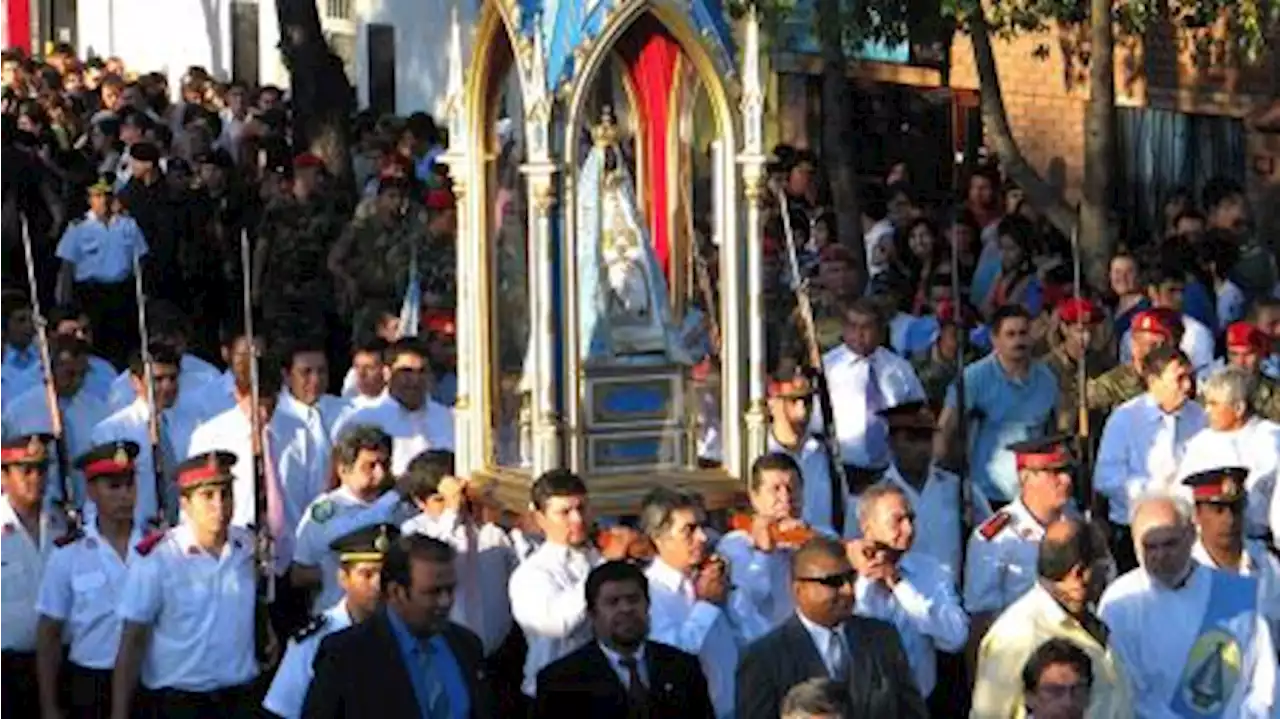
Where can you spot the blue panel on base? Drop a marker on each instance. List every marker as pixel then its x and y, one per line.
pixel 632 402
pixel 635 452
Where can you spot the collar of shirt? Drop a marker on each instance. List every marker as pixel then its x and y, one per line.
pixel 615 657
pixel 1247 564
pixel 1024 520
pixel 187 540
pixel 669 577
pixel 17 357
pixel 822 636
pixel 564 555
pixel 293 405
pixel 410 644
pixel 808 445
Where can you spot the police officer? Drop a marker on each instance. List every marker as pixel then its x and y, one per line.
pixel 360 554
pixel 188 606
pixel 27 537
pixel 81 585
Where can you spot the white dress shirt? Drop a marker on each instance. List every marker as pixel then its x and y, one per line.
pixel 331 515
pixel 1000 564
pixel 862 434
pixel 320 418
pixel 292 680
pixel 484 563
pixel 815 476
pixel 1141 449
pixel 215 396
pixel 131 424
pixel 98 377
pixel 937 526
pixel 81 412
pixel 199 608
pixel 193 374
pixel 1197 344
pixel 925 610
pixel 412 432
pixel 81 588
pixel 548 593
pixel 1256 446
pixel 760 599
pixel 23 570
pixel 677 617
pixel 295 461
pixel 1154 629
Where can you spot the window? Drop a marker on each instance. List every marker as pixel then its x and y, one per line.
pixel 382 68
pixel 337 10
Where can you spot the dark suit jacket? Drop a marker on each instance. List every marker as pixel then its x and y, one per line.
pixel 583 684
pixel 880 680
pixel 359 672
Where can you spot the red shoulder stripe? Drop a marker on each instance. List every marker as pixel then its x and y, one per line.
pixel 992 526
pixel 149 542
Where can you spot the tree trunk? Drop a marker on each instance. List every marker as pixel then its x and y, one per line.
pixel 1097 231
pixel 321 94
pixel 996 126
pixel 837 136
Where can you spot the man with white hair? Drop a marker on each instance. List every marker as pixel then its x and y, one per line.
pixel 1191 637
pixel 1236 438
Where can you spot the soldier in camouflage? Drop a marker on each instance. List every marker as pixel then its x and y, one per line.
pixel 298 229
pixel 937 368
pixel 1150 329
pixel 1246 346
pixel 834 288
pixel 1076 319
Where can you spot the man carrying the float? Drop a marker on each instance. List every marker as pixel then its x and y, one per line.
pixel 1192 637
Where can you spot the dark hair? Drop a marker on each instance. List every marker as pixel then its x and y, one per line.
pixel 405 346
pixel 1190 213
pixel 772 462
pixel 1058 556
pixel 1155 363
pixel 1218 190
pixel 874 202
pixel 658 506
pixel 817 696
pixel 1008 312
pixel 614 571
pixel 161 353
pixel 1260 304
pixel 63 313
pixel 398 561
pixel 819 546
pixel 422 477
pixel 302 345
pixel 372 345
pixel 556 483
pixel 1055 651
pixel 356 439
pixel 1020 230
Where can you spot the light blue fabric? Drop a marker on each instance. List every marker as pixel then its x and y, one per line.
pixel 434 671
pixel 1003 411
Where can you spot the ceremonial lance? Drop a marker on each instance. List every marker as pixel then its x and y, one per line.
pixel 50 389
pixel 148 376
pixel 800 287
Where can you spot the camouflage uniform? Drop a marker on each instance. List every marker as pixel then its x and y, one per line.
pixel 1115 387
pixel 828 320
pixel 296 284
pixel 937 374
pixel 380 257
pixel 1068 398
pixel 1265 400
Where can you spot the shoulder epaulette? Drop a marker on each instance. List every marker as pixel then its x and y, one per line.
pixel 70 537
pixel 311 628
pixel 990 528
pixel 149 542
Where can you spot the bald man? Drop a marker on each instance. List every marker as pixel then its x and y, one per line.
pixel 1191 637
pixel 1071 569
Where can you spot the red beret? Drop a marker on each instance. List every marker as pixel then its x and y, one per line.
pixel 1245 337
pixel 307 160
pixel 1075 310
pixel 1152 321
pixel 439 199
pixel 797 387
pixel 945 312
pixel 442 321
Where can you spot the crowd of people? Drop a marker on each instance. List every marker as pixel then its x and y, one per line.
pixel 1027 497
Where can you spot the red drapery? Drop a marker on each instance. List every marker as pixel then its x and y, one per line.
pixel 17 29
pixel 651 55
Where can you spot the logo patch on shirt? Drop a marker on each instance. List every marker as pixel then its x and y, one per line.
pixel 323 511
pixel 1212 672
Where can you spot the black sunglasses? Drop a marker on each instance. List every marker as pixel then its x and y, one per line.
pixel 832 581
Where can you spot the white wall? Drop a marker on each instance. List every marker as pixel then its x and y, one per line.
pixel 170 35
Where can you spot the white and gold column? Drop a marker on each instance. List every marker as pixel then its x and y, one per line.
pixel 752 160
pixel 468 427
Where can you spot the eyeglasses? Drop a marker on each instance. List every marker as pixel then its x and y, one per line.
pixel 832 581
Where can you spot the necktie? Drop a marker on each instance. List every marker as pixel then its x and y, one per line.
pixel 877 434
pixel 437 699
pixel 1165 451
pixel 167 502
pixel 283 549
pixel 637 692
pixel 836 661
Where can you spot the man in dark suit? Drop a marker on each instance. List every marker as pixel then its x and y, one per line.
pixel 824 639
pixel 408 659
pixel 621 674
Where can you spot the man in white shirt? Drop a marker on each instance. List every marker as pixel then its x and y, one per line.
pixel 1144 441
pixel 20 367
pixel 865 378
pixel 169 326
pixel 133 424
pixel 1191 637
pixel 688 590
pixel 790 401
pixel 548 589
pixel 909 590
pixel 219 393
pixel 306 379
pixel 1164 289
pixel 415 421
pixel 1235 437
pixel 73 321
pixel 79 408
pixel 365 382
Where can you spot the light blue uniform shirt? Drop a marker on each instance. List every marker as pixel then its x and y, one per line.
pixel 102 251
pixel 1008 411
pixel 433 670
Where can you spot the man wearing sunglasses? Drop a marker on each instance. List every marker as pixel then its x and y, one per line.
pixel 824 638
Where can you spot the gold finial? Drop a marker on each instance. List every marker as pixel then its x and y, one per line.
pixel 122 455
pixel 605 134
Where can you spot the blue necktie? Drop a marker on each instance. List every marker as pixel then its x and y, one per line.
pixel 436 699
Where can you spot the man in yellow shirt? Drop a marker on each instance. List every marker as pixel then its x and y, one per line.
pixel 1071 568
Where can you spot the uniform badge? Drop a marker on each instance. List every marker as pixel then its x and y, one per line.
pixel 1230 489
pixel 382 544
pixel 323 511
pixel 35 450
pixel 122 457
